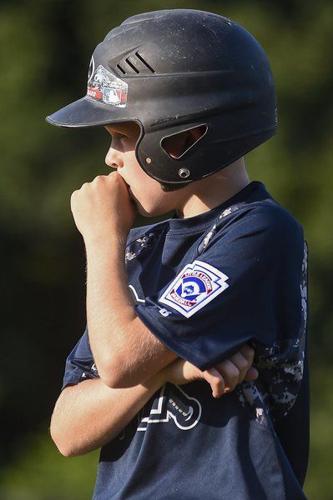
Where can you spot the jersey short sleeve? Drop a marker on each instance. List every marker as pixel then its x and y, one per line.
pixel 79 363
pixel 243 287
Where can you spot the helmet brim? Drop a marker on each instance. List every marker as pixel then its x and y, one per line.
pixel 86 112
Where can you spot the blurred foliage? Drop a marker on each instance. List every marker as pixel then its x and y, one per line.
pixel 45 48
pixel 49 476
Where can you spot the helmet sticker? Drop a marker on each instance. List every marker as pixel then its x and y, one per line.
pixel 91 69
pixel 194 287
pixel 105 87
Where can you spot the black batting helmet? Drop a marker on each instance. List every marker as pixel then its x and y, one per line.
pixel 174 70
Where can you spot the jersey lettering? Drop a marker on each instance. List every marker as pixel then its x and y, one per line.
pixel 173 404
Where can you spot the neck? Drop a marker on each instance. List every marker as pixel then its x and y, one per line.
pixel 214 190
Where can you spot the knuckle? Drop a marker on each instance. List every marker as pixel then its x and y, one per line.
pixel 248 352
pixel 215 381
pixel 218 388
pixel 232 376
pixel 233 371
pixel 208 376
pixel 243 364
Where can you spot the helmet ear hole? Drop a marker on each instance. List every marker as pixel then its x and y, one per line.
pixel 177 145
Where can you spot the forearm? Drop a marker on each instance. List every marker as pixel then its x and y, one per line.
pixel 110 309
pixel 125 351
pixel 90 414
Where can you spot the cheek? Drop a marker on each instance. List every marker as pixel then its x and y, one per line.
pixel 149 195
pixel 148 189
pixel 150 199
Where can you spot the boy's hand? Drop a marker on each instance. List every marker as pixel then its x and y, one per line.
pixel 223 378
pixel 103 208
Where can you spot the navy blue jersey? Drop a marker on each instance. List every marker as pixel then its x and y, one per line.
pixel 204 286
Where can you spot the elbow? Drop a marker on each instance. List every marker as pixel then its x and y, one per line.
pixel 65 447
pixel 63 439
pixel 65 451
pixel 117 381
pixel 117 375
pixel 61 445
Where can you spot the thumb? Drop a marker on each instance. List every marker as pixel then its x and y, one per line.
pixel 252 374
pixel 216 381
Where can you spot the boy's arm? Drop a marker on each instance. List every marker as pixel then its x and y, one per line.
pixel 89 414
pixel 126 353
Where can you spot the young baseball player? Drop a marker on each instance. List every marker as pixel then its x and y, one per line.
pixel 175 308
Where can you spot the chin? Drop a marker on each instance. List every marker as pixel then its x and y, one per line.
pixel 150 211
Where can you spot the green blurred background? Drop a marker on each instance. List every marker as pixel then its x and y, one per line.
pixel 45 48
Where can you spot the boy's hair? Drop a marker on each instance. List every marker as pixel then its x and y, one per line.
pixel 174 70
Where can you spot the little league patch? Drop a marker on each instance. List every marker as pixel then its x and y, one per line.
pixel 196 285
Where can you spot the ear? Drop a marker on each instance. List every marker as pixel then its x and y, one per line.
pixel 178 144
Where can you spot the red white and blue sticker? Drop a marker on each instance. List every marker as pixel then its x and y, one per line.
pixel 105 87
pixel 194 287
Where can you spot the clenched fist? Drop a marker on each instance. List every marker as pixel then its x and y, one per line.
pixel 103 208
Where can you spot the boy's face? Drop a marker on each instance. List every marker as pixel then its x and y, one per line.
pixel 147 193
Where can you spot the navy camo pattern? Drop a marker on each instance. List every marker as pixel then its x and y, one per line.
pixel 281 368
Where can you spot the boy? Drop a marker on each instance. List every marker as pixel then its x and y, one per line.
pixel 185 95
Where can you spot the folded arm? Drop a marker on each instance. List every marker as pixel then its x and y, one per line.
pixel 126 353
pixel 90 414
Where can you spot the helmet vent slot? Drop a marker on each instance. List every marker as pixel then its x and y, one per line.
pixel 144 62
pixel 131 65
pixel 135 63
pixel 121 69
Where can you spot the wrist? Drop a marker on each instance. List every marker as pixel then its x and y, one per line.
pixel 164 374
pixel 114 242
pixel 161 378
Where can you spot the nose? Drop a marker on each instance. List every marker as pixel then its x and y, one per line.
pixel 114 158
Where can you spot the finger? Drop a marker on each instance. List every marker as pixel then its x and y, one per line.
pixel 230 373
pixel 248 352
pixel 98 178
pixel 189 371
pixel 216 381
pixel 243 364
pixel 252 374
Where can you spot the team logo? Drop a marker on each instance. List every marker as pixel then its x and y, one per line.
pixel 106 87
pixel 196 285
pixel 172 405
